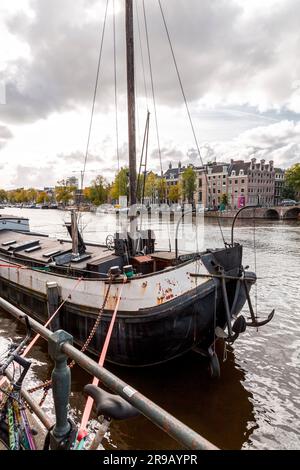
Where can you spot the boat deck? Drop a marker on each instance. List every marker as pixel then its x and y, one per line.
pixel 12 217
pixel 38 250
pixel 41 249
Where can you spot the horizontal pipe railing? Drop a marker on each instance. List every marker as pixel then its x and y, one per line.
pixel 161 418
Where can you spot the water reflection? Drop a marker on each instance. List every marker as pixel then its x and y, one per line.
pixel 256 404
pixel 222 411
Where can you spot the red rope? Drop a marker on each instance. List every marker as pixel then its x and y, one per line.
pixel 32 343
pixel 13 266
pixel 89 403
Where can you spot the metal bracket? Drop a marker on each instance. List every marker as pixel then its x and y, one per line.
pixel 61 385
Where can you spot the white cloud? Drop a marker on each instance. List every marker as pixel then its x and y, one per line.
pixel 239 63
pixel 279 142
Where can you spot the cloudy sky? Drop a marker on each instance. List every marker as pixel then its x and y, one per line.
pixel 240 67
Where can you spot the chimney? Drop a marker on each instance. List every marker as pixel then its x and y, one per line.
pixel 170 166
pixel 271 163
pixel 179 165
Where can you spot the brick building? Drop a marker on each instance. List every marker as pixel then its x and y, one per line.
pixel 238 180
pixel 242 182
pixel 212 183
pixel 279 184
pixel 261 182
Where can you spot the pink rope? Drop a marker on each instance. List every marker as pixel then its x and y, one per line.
pixel 34 340
pixel 32 343
pixel 89 403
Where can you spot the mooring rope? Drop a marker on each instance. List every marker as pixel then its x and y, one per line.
pixel 34 340
pixel 89 402
pixel 32 343
pixel 46 385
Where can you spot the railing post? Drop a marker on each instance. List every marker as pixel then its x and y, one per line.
pixel 61 386
pixel 53 304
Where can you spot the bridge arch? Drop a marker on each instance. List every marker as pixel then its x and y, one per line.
pixel 272 214
pixel 292 213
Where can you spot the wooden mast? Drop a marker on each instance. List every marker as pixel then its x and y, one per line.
pixel 131 101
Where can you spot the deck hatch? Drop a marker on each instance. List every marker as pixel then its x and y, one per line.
pixel 33 248
pixel 10 242
pixel 51 253
pixel 21 246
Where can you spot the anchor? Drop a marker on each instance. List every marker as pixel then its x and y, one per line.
pixel 240 324
pixel 254 323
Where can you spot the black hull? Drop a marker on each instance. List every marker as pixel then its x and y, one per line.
pixel 150 336
pixel 158 335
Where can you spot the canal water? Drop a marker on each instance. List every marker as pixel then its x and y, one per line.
pixel 256 402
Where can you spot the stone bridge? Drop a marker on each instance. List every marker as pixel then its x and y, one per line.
pixel 274 212
pixel 281 212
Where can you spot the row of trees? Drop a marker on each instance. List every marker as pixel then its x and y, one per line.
pixel 24 196
pixel 101 191
pixel 291 187
pixel 155 189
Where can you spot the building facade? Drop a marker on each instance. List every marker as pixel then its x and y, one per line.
pixel 278 187
pixel 261 182
pixel 239 183
pixel 214 183
pixel 172 175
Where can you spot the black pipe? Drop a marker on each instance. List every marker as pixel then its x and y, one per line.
pixel 236 216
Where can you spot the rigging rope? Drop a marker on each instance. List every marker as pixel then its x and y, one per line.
pixel 255 258
pixel 180 81
pixel 116 90
pixel 94 96
pixel 184 95
pixel 152 87
pixel 142 54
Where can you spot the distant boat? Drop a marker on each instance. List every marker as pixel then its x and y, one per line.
pixel 12 222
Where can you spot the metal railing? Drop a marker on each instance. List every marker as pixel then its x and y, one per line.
pixel 60 348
